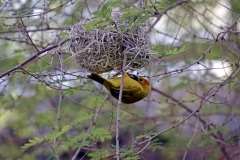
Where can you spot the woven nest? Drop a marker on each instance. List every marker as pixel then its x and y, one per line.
pixel 101 50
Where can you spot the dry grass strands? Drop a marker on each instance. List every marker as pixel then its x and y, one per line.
pixel 101 50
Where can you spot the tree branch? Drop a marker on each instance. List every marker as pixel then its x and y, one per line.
pixel 119 109
pixel 33 57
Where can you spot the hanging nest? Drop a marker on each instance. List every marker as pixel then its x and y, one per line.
pixel 101 50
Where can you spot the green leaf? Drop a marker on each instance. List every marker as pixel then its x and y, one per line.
pixel 99 134
pixel 83 118
pixel 133 157
pixel 97 23
pixel 82 144
pixel 106 9
pixel 129 154
pixel 57 134
pixel 136 16
pixel 102 17
pixel 147 135
pixel 156 144
pixel 98 155
pixel 75 141
pixel 158 49
pixel 54 1
pixel 32 142
pixel 175 51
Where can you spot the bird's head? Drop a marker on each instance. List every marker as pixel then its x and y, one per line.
pixel 142 81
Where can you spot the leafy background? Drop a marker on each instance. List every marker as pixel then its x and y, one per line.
pixel 50 110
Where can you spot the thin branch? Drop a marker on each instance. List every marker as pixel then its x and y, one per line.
pixel 25 33
pixel 33 57
pixel 191 64
pixel 38 14
pixel 90 126
pixel 212 92
pixel 119 110
pixel 36 30
pixel 143 148
pixel 229 28
pixel 58 107
pixel 165 12
pixel 190 142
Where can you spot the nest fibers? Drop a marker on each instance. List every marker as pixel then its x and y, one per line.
pixel 101 50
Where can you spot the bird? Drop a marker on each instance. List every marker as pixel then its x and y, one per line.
pixel 135 88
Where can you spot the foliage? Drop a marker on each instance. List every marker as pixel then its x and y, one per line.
pixel 98 155
pixel 103 16
pixel 49 109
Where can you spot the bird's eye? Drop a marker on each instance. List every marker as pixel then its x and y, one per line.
pixel 140 79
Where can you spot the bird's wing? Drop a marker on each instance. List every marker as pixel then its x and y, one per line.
pixel 134 77
pixel 126 92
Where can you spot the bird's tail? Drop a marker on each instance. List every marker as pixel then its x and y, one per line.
pixel 96 78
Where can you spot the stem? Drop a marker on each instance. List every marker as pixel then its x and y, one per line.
pixel 58 107
pixel 119 110
pixel 90 127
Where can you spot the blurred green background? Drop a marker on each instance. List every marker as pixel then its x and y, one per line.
pixel 49 109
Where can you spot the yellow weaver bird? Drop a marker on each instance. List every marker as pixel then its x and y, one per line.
pixel 135 88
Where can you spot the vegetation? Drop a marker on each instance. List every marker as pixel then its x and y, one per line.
pixel 49 109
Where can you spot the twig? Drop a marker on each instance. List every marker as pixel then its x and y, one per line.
pixel 56 123
pixel 36 30
pixel 119 110
pixel 165 12
pixel 173 126
pixel 39 14
pixel 90 127
pixel 216 136
pixel 190 142
pixel 25 33
pixel 58 107
pixel 229 28
pixel 191 64
pixel 32 58
pixel 143 148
